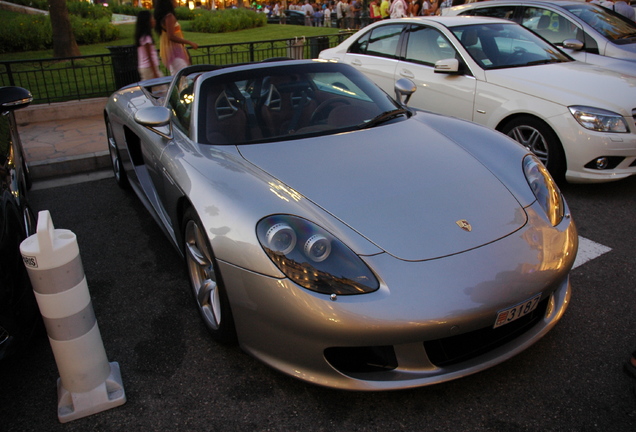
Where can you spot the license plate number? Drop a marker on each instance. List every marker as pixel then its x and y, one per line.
pixel 514 313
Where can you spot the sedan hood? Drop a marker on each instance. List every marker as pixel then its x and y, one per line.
pixel 572 83
pixel 404 186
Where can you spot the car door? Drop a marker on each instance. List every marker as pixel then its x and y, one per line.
pixel 375 54
pixel 449 94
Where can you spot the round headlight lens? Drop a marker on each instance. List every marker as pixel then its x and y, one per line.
pixel 281 238
pixel 317 248
pixel 544 188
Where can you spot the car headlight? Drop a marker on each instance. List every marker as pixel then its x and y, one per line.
pixel 599 119
pixel 313 258
pixel 544 188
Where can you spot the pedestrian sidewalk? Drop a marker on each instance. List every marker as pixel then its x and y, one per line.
pixel 64 139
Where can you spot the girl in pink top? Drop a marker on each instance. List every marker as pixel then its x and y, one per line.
pixel 147 59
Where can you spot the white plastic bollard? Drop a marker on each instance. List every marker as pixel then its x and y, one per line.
pixel 88 383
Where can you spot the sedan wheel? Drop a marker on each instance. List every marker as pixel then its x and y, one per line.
pixel 206 282
pixel 118 169
pixel 538 138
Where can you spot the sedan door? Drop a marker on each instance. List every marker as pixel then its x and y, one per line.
pixel 375 54
pixel 450 94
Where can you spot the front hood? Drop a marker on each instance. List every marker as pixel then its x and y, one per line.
pixel 571 83
pixel 402 186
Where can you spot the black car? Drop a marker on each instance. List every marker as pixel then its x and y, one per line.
pixel 291 17
pixel 19 315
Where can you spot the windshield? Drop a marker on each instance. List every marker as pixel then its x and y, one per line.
pixel 497 46
pixel 611 26
pixel 287 101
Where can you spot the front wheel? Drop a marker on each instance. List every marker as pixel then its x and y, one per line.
pixel 541 140
pixel 206 281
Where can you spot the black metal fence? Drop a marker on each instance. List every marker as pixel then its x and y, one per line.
pixel 76 78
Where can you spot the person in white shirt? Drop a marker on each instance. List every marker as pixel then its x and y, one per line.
pixel 308 11
pixel 328 16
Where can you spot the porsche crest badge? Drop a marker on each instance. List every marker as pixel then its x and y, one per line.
pixel 463 224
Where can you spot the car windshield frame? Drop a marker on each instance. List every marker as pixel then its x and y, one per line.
pixel 613 26
pixel 284 102
pixel 506 45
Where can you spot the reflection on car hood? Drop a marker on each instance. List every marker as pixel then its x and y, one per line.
pixel 403 186
pixel 572 83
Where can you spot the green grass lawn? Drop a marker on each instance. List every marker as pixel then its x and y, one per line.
pixel 268 32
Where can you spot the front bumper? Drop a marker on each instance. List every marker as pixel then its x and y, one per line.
pixel 583 147
pixel 388 339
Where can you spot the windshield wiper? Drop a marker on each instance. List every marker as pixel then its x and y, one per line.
pixel 384 117
pixel 543 61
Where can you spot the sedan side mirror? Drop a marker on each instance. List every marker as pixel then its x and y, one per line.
pixel 449 66
pixel 404 88
pixel 573 44
pixel 155 117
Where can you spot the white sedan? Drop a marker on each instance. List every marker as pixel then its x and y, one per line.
pixel 576 117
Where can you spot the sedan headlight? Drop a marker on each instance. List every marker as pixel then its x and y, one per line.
pixel 600 120
pixel 544 188
pixel 313 258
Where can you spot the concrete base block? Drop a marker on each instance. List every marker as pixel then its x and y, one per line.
pixel 107 395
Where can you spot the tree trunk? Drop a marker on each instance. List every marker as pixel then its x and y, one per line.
pixel 64 44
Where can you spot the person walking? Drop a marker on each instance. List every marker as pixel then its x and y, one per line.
pixel 172 48
pixel 147 59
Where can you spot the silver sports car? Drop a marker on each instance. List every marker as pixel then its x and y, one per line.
pixel 339 236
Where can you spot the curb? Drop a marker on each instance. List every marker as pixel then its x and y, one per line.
pixel 67 166
pixel 60 111
pixel 71 165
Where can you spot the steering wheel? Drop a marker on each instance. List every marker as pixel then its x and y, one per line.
pixel 322 111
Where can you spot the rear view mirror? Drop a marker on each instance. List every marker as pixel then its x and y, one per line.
pixel 12 98
pixel 573 44
pixel 154 118
pixel 449 66
pixel 404 88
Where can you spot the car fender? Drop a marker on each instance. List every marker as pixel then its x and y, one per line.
pixel 231 199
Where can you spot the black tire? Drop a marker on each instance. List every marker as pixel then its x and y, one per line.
pixel 118 169
pixel 205 280
pixel 540 139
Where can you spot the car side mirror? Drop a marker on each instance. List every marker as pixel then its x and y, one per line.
pixel 573 44
pixel 448 66
pixel 154 118
pixel 13 98
pixel 404 88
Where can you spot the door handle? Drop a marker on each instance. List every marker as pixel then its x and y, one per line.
pixel 356 62
pixel 407 73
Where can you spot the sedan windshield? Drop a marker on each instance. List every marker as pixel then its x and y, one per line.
pixel 497 46
pixel 288 101
pixel 609 25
